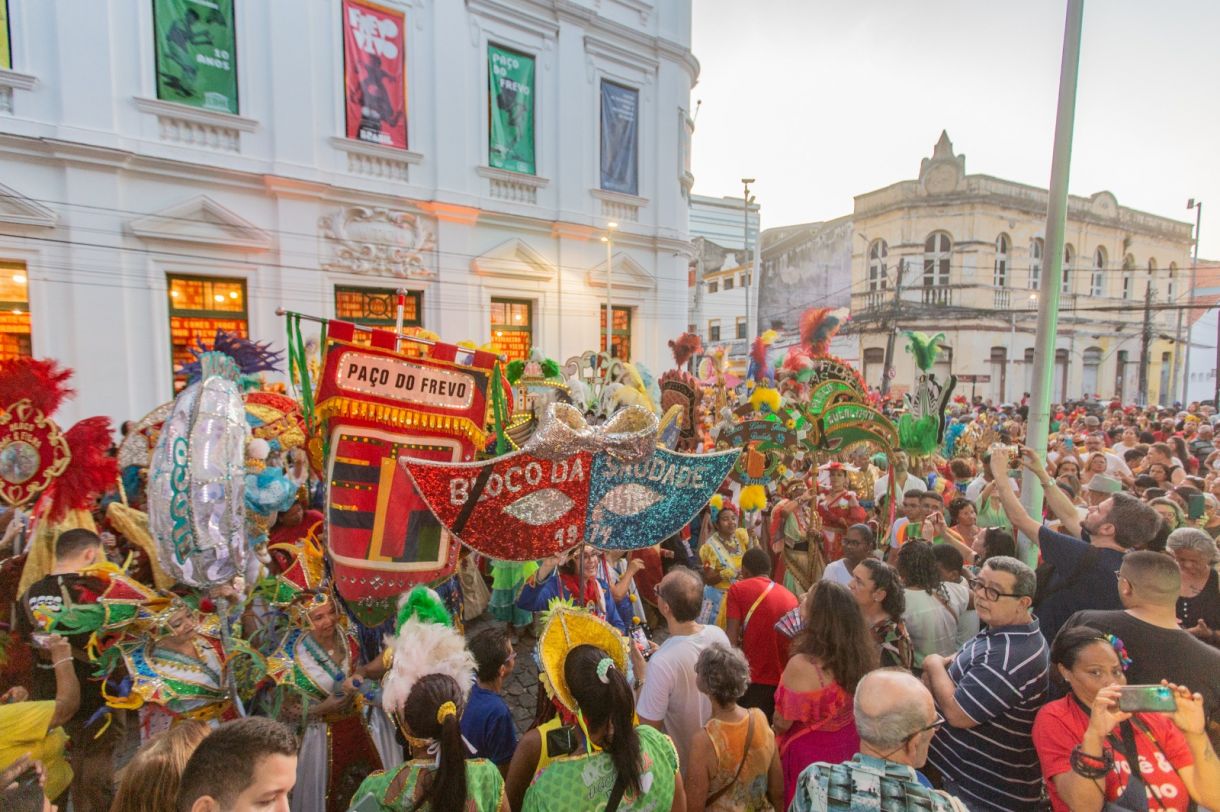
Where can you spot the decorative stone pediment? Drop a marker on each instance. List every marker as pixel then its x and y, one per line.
pixel 18 210
pixel 628 275
pixel 944 172
pixel 201 221
pixel 513 259
pixel 378 242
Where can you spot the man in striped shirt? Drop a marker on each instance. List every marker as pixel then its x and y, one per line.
pixel 989 693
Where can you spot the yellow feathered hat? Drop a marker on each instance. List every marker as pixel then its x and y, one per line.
pixel 566 628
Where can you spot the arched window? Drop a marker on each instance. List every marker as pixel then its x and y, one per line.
pixel 936 252
pixel 1036 246
pixel 1097 279
pixel 1091 367
pixel 1069 259
pixel 877 253
pixel 1128 276
pixel 1002 249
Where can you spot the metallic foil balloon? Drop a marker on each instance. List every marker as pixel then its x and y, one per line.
pixel 196 484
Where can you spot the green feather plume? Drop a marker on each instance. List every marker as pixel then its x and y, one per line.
pixel 925 348
pixel 515 370
pixel 550 369
pixel 424 605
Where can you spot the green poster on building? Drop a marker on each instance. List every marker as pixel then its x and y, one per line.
pixel 512 110
pixel 6 48
pixel 196 53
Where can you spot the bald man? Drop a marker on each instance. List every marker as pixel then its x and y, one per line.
pixel 896 717
pixel 1148 585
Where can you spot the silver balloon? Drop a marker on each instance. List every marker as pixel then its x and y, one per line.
pixel 196 485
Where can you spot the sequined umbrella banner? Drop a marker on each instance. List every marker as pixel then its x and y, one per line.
pixel 380 404
pixel 516 508
pixel 638 505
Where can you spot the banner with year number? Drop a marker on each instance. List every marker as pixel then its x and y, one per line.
pixel 196 51
pixel 511 131
pixel 375 81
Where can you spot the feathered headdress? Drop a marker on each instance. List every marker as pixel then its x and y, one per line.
pixel 760 366
pixel 424 642
pixel 685 347
pixel 92 471
pixel 818 326
pixel 43 382
pixel 232 356
pixel 925 348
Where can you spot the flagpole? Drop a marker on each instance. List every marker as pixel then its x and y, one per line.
pixel 1038 424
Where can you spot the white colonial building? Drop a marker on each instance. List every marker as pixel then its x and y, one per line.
pixel 138 211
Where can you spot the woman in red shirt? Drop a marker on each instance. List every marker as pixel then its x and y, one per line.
pixel 1086 744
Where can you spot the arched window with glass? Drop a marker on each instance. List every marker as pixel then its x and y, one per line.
pixel 1069 261
pixel 878 251
pixel 936 252
pixel 1097 278
pixel 1036 247
pixel 1003 247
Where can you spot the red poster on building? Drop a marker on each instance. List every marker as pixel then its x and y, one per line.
pixel 374 61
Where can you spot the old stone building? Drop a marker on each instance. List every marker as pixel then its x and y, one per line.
pixel 965 255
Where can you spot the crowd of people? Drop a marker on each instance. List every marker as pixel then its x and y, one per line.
pixel 888 633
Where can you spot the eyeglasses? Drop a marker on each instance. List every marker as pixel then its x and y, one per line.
pixel 936 725
pixel 990 592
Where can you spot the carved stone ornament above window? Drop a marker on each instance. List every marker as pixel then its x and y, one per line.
pixel 378 242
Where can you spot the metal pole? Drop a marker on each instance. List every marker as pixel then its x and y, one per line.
pixel 609 287
pixel 745 252
pixel 1194 270
pixel 892 327
pixel 1145 345
pixel 1048 314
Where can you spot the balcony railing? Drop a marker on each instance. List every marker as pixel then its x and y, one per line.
pixel 1002 299
pixel 939 296
pixel 876 300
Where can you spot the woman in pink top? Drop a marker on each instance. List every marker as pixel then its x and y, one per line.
pixel 813 704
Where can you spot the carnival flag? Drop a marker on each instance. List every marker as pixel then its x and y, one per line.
pixel 375 82
pixel 511 77
pixel 196 53
pixel 620 138
pixel 635 505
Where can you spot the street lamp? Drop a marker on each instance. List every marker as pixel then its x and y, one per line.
pixel 1197 206
pixel 609 241
pixel 746 200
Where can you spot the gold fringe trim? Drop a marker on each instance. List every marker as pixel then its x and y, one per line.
pixel 401 418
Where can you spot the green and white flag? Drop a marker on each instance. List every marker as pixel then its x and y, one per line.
pixel 511 117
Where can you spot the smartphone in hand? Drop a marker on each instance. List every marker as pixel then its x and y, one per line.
pixel 1146 699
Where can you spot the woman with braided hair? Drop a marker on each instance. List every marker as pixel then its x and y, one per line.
pixel 425 689
pixel 634 767
pixel 932 607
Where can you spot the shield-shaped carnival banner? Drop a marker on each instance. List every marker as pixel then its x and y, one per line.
pixel 635 505
pixel 380 404
pixel 33 452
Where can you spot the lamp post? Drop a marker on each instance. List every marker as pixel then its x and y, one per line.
pixel 1197 205
pixel 745 247
pixel 609 241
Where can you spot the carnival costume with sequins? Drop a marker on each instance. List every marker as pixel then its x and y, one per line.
pixel 337 751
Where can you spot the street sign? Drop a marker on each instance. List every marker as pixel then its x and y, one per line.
pixel 974 379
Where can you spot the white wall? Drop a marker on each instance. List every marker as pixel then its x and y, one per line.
pixel 127 199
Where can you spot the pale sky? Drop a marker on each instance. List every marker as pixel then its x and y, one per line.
pixel 821 100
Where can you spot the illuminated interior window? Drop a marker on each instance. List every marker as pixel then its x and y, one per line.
pixel 198 307
pixel 14 311
pixel 376 307
pixel 512 327
pixel 620 332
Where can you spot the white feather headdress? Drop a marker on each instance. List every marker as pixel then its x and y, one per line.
pixel 424 642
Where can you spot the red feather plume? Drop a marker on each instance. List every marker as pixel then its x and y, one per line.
pixel 43 381
pixel 818 326
pixel 92 471
pixel 758 357
pixel 685 346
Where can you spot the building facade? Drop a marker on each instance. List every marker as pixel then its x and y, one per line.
pixel 965 255
pixel 201 164
pixel 804 266
pixel 724 240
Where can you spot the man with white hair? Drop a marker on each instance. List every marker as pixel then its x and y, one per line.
pixel 895 717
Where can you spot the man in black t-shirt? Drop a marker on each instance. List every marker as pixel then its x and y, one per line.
pixel 75 550
pixel 1086 556
pixel 1148 585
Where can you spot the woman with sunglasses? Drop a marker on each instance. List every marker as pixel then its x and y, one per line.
pixel 1086 744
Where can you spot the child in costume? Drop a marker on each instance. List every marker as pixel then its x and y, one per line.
pixel 425 690
pixel 839 508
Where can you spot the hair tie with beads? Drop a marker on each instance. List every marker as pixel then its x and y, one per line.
pixel 603 669
pixel 446 710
